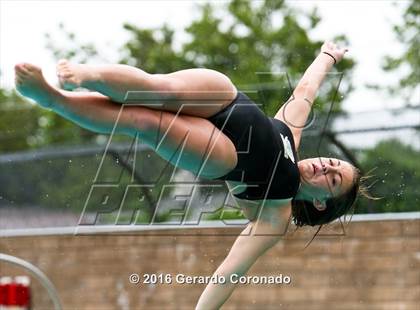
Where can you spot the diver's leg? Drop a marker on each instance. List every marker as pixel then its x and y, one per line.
pixel 185 141
pixel 197 92
pixel 92 111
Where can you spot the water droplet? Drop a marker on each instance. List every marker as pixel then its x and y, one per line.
pixel 69 160
pixel 148 155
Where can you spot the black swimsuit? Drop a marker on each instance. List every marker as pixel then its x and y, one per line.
pixel 265 148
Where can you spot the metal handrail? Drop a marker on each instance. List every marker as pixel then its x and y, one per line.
pixel 38 274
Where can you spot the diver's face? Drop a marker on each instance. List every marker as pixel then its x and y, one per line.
pixel 323 178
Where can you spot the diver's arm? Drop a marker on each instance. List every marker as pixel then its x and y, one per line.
pixel 259 236
pixel 296 111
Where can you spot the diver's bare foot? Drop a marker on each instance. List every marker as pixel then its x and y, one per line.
pixel 31 83
pixel 72 76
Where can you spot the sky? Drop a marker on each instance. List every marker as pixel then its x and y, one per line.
pixel 367 24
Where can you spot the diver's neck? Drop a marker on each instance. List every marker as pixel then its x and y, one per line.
pixel 301 193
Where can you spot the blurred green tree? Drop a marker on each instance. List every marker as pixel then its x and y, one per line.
pixel 397 177
pixel 263 41
pixel 398 168
pixel 408 62
pixel 19 122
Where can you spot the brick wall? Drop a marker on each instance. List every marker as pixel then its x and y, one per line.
pixel 373 265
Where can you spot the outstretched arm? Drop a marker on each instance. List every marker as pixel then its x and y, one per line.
pixel 296 111
pixel 259 236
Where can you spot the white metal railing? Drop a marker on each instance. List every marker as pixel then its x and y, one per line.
pixel 95 229
pixel 37 273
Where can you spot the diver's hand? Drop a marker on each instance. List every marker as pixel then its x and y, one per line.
pixel 332 50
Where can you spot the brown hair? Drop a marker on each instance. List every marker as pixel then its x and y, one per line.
pixel 305 213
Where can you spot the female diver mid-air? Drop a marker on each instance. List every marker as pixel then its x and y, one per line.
pixel 213 117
